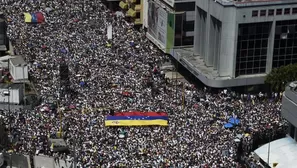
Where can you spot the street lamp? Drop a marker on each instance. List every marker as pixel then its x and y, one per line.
pixel 24 85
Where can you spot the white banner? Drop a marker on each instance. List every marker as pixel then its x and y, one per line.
pixel 157 22
pixel 109 32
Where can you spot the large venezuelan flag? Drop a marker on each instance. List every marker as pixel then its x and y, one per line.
pixel 137 119
pixel 36 17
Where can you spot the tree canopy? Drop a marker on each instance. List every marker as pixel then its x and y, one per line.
pixel 279 77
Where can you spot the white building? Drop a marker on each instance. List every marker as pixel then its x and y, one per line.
pixel 12 92
pixel 234 42
pixel 18 69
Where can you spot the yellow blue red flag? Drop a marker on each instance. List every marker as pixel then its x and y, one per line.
pixel 137 118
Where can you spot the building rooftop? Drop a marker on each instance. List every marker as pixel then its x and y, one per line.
pixel 18 61
pixel 48 162
pixel 17 160
pixel 196 65
pixel 11 86
pixel 282 151
pixel 246 3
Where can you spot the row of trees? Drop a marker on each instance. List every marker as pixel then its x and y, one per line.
pixel 279 77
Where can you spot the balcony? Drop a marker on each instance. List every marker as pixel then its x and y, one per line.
pixel 138 7
pixel 132 1
pixel 138 21
pixel 123 5
pixel 131 13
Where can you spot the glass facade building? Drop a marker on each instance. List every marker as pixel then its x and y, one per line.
pixel 252 46
pixel 285 43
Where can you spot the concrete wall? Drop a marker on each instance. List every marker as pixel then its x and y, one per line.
pixel 15 96
pixel 289 106
pixel 18 72
pixel 17 160
pixel 21 72
pixel 222 55
pixel 145 13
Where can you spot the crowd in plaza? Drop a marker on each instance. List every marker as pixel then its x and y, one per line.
pixel 100 70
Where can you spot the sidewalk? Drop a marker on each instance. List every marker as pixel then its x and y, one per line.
pixel 48 162
pixel 63 164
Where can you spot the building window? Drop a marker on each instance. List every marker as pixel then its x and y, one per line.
pixel 279 11
pixel 179 20
pixel 185 6
pixel 255 13
pixel 292 130
pixel 263 13
pixel 287 11
pixel 285 43
pixel 294 10
pixel 138 15
pixel 271 12
pixel 188 26
pixel 252 48
pixel 188 40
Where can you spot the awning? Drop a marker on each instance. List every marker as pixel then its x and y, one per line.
pixel 131 13
pixel 282 151
pixel 123 5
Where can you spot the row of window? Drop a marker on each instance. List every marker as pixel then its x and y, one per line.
pixel 290 29
pixel 253 52
pixel 285 43
pixel 250 71
pixel 254 58
pixel 259 43
pixel 272 12
pixel 254 29
pixel 284 51
pixel 279 63
pixel 252 64
pixel 253 37
pixel 285 58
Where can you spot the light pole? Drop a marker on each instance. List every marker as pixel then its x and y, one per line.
pixel 268 154
pixel 74 154
pixel 24 85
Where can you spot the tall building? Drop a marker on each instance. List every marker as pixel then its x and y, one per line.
pixel 236 42
pixel 170 23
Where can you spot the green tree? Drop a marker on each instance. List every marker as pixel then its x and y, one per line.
pixel 279 77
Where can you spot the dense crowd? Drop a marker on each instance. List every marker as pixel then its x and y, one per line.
pixel 100 70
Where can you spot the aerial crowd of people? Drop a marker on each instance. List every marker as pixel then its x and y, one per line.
pixel 100 71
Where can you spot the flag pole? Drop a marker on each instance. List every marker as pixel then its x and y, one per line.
pixel 183 98
pixel 268 155
pixel 60 116
pixel 176 79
